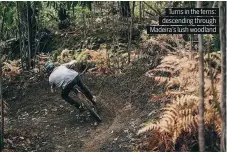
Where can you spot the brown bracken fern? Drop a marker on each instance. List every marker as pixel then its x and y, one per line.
pixel 178 123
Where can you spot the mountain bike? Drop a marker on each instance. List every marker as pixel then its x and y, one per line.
pixel 87 104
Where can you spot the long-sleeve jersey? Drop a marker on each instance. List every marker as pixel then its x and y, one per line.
pixel 62 75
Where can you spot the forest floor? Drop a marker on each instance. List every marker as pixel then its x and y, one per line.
pixel 42 121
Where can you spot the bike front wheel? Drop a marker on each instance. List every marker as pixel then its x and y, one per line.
pixel 93 112
pixel 91 108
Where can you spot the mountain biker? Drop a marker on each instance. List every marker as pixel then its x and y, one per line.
pixel 65 78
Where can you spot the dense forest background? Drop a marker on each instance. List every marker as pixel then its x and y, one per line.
pixel 174 85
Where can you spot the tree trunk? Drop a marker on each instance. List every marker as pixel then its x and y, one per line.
pixel 130 33
pixel 125 9
pixel 2 108
pixel 140 11
pixel 143 9
pixel 133 8
pixel 3 21
pixel 85 27
pixel 29 33
pixel 63 17
pixel 19 32
pixel 191 39
pixel 22 6
pixel 201 105
pixel 222 28
pixel 214 4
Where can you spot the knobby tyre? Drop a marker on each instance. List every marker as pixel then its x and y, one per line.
pixel 91 108
pixel 93 112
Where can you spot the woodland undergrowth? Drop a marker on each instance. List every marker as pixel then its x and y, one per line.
pixel 177 127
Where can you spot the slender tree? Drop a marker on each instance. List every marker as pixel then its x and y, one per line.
pixel 130 32
pixel 125 9
pixel 3 21
pixel 1 100
pixel 140 11
pixel 2 108
pixel 201 82
pixel 222 28
pixel 19 32
pixel 29 33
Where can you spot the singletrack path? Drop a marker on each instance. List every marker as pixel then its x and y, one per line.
pixel 47 123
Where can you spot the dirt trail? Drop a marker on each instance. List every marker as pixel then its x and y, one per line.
pixel 47 123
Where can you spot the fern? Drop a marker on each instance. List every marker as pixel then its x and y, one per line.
pixel 81 56
pixel 176 118
pixel 178 123
pixel 215 63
